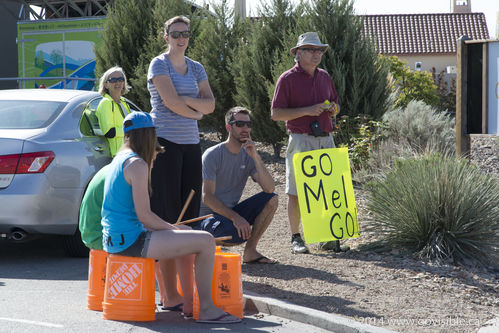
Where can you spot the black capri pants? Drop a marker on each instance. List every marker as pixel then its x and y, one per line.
pixel 174 174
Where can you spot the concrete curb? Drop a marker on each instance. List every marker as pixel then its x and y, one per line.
pixel 254 303
pixel 491 326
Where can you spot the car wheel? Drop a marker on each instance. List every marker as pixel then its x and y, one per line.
pixel 73 245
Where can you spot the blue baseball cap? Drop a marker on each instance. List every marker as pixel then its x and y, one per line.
pixel 135 120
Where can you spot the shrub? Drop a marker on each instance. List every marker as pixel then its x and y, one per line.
pixel 411 85
pixel 360 134
pixel 437 207
pixel 420 125
pixel 407 133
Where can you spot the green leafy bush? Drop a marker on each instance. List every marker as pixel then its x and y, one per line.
pixel 411 85
pixel 437 207
pixel 360 134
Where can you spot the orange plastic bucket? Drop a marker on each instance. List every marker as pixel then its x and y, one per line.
pixel 130 289
pixel 96 279
pixel 227 287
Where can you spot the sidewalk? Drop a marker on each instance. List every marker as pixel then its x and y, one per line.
pixel 254 303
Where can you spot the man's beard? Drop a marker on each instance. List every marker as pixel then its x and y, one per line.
pixel 240 139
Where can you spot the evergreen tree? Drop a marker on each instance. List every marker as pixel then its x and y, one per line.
pixel 133 35
pixel 155 43
pixel 127 27
pixel 253 67
pixel 219 35
pixel 359 76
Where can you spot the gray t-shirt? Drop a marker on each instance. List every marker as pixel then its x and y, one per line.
pixel 229 172
pixel 170 125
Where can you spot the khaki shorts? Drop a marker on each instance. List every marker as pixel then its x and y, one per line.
pixel 299 143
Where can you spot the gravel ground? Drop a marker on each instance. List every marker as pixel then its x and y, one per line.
pixel 387 290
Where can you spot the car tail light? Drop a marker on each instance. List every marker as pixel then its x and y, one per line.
pixel 26 163
pixel 8 164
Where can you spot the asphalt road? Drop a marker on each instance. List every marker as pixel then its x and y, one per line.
pixel 42 290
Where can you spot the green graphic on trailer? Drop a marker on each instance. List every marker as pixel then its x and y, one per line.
pixel 59 49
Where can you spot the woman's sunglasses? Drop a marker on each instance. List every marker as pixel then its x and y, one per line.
pixel 240 123
pixel 116 79
pixel 177 34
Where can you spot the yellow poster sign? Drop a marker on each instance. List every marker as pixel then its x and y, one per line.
pixel 325 195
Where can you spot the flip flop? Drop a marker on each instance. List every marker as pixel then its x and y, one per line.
pixel 220 320
pixel 262 260
pixel 186 316
pixel 177 307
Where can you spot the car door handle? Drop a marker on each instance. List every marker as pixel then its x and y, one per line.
pixel 99 149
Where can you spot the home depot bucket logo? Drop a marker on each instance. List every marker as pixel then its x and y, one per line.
pixel 224 284
pixel 125 281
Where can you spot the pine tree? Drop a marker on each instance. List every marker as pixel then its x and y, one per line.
pixel 253 68
pixel 155 43
pixel 133 35
pixel 127 27
pixel 359 76
pixel 219 35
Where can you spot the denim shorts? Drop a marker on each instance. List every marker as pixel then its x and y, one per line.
pixel 139 247
pixel 220 226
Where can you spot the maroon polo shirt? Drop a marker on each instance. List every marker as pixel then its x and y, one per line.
pixel 295 88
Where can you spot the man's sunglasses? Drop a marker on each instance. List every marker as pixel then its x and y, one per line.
pixel 240 123
pixel 177 34
pixel 312 49
pixel 116 79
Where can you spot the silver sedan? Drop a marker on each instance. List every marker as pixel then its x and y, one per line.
pixel 50 148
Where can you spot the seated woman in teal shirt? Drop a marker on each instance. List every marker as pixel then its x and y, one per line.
pixel 130 228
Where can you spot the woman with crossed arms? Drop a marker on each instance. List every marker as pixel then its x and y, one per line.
pixel 180 96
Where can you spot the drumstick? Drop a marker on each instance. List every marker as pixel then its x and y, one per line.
pixel 195 219
pixel 223 238
pixel 189 198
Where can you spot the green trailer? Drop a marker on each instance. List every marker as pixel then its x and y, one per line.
pixel 59 53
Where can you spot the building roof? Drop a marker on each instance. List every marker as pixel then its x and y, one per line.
pixel 423 33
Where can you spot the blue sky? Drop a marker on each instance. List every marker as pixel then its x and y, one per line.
pixel 488 7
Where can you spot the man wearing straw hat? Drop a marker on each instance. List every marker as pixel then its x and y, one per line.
pixel 226 168
pixel 306 99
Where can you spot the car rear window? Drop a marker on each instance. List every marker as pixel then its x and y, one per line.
pixel 16 114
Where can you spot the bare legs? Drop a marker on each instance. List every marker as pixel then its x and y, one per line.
pixel 184 265
pixel 293 214
pixel 167 244
pixel 168 283
pixel 262 221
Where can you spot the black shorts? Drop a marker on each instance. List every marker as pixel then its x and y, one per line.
pixel 139 247
pixel 220 226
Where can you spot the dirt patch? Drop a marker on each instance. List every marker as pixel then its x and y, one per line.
pixel 387 290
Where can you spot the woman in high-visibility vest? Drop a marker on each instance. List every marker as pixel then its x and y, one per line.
pixel 112 108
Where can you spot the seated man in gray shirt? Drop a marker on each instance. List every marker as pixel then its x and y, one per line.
pixel 226 168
